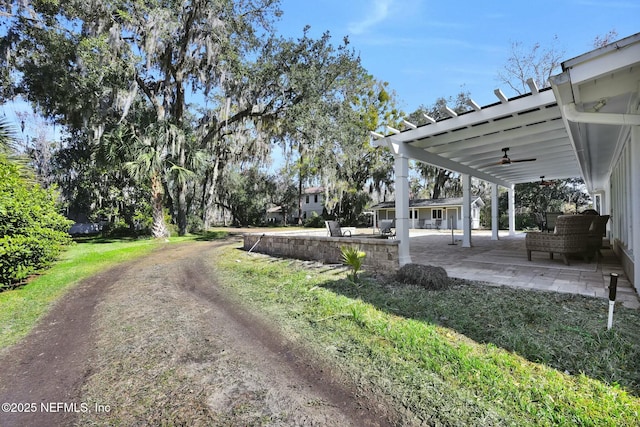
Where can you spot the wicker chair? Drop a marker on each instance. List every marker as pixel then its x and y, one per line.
pixel 596 232
pixel 571 236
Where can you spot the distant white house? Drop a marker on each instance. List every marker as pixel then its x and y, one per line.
pixel 312 200
pixel 275 215
pixel 432 213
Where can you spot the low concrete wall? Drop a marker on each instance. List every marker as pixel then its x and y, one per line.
pixel 381 253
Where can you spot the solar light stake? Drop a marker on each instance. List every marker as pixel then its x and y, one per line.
pixel 612 298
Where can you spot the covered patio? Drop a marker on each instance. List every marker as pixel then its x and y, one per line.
pixel 587 124
pixel 504 262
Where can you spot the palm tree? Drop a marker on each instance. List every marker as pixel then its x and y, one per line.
pixel 144 157
pixel 6 137
pixel 8 150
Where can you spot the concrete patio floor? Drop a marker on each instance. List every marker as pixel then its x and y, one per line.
pixel 504 262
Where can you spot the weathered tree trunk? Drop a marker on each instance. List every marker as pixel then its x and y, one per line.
pixel 300 200
pixel 440 181
pixel 300 173
pixel 159 228
pixel 181 188
pixel 209 193
pixel 182 155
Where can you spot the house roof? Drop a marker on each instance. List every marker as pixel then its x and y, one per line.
pixel 565 128
pixel 314 190
pixel 599 96
pixel 428 203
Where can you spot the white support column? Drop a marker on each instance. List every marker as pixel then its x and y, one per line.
pixel 466 210
pixel 402 207
pixel 634 194
pixel 495 218
pixel 512 210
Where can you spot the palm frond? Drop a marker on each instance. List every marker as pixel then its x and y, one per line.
pixel 7 137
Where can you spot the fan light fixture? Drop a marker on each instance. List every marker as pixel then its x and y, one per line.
pixel 506 160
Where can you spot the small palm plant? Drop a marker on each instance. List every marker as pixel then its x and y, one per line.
pixel 353 256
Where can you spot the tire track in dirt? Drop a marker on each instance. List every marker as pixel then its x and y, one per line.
pixel 48 367
pixel 240 359
pixel 288 366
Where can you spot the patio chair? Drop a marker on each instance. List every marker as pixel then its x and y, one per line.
pixel 386 227
pixel 571 236
pixel 334 229
pixel 550 220
pixel 597 231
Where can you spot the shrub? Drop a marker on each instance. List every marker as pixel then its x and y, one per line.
pixel 316 221
pixel 32 232
pixel 427 276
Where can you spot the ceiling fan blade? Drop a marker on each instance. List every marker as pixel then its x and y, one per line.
pixel 491 165
pixel 523 160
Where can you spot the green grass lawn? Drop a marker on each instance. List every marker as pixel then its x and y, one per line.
pixel 21 308
pixel 467 355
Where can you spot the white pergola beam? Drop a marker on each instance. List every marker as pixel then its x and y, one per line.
pixel 527 103
pixel 473 104
pixel 504 131
pixel 475 147
pixel 450 112
pixel 429 119
pixel 398 147
pixel 501 96
pixel 409 124
pixel 533 87
pixel 551 152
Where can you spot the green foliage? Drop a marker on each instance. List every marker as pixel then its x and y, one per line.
pixel 353 257
pixel 524 221
pixel 120 73
pixel 559 196
pixel 316 221
pixel 32 232
pixel 22 308
pixel 244 195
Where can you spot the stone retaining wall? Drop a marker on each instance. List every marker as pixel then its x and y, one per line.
pixel 381 253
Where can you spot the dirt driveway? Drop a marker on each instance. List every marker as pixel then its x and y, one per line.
pixel 158 342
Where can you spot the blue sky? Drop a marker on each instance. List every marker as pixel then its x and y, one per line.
pixel 429 49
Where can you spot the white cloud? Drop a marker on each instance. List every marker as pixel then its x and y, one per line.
pixel 377 13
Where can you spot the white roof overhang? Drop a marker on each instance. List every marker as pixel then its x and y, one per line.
pixel 560 128
pixel 598 94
